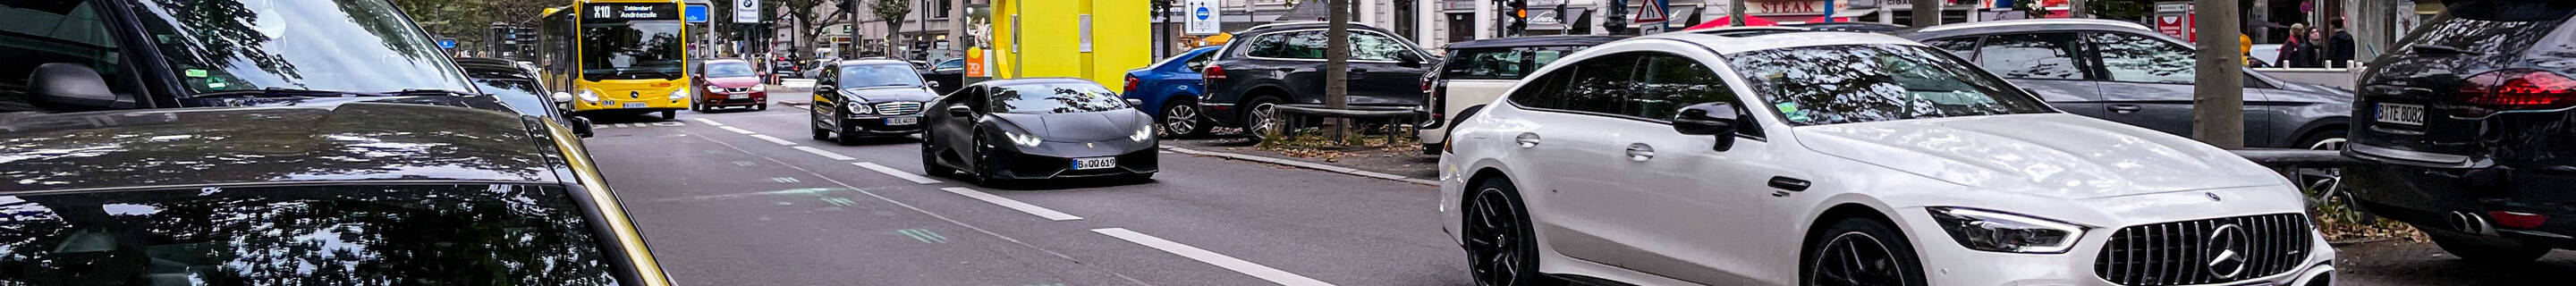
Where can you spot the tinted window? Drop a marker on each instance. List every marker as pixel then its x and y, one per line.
pixel 1046 98
pixel 336 45
pixel 321 235
pixel 857 76
pixel 521 95
pixel 2480 36
pixel 53 32
pixel 1965 47
pixel 1866 83
pixel 1545 91
pixel 728 69
pixel 1200 62
pixel 1290 45
pixel 2135 58
pixel 1499 63
pixel 1670 82
pixel 1373 47
pixel 1600 83
pixel 2041 56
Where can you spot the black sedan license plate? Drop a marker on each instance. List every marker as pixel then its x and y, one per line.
pixel 1095 163
pixel 2407 114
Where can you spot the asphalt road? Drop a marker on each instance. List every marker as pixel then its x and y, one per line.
pixel 745 198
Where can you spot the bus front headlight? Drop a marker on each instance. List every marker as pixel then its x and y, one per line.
pixel 587 96
pixel 680 94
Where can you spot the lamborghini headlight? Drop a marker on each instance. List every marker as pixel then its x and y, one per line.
pixel 1022 140
pixel 1142 134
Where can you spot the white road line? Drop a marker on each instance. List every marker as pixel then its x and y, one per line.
pixel 1220 260
pixel 708 122
pixel 825 154
pixel 735 130
pixel 907 176
pixel 1013 204
pixel 773 140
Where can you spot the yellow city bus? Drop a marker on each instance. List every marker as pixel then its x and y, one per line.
pixel 618 56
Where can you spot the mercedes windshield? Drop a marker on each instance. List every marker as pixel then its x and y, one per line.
pixel 357 46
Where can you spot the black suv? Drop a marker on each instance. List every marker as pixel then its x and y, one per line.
pixel 1284 63
pixel 2468 125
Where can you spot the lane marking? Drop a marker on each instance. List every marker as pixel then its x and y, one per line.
pixel 923 235
pixel 735 130
pixel 820 152
pixel 1220 260
pixel 669 123
pixel 784 180
pixel 773 140
pixel 743 163
pixel 708 121
pixel 907 176
pixel 1013 204
pixel 916 209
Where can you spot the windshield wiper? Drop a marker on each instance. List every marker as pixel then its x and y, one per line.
pixel 280 92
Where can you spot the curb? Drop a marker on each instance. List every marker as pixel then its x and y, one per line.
pixel 1303 164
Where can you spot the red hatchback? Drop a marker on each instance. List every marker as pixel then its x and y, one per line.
pixel 729 83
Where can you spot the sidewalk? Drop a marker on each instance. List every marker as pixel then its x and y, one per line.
pixel 1401 164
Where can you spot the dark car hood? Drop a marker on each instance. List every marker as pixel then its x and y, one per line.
pixel 889 94
pixel 308 142
pixel 1080 127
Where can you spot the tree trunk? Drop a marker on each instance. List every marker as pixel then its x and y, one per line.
pixel 2218 101
pixel 1735 13
pixel 1337 63
pixel 1926 13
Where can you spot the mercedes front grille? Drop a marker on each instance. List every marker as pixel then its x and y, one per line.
pixel 2218 250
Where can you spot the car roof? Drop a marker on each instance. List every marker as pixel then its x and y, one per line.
pixel 872 61
pixel 350 140
pixel 727 61
pixel 488 68
pixel 1301 26
pixel 1537 41
pixel 1034 80
pixel 2019 25
pixel 1733 40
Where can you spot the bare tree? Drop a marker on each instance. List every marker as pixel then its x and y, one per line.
pixel 811 21
pixel 892 12
pixel 1337 63
pixel 2218 101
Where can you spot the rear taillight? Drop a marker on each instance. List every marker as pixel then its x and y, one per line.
pixel 2518 90
pixel 1426 85
pixel 1213 72
pixel 1131 83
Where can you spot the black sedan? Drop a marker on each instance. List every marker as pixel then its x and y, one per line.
pixel 1038 129
pixel 858 99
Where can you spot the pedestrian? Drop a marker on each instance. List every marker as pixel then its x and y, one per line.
pixel 2339 47
pixel 2315 51
pixel 2289 55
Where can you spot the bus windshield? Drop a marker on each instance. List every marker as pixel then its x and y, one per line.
pixel 631 41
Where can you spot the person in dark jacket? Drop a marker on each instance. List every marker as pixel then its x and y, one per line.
pixel 2296 52
pixel 2339 48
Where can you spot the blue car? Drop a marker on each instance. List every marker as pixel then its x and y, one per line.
pixel 1170 91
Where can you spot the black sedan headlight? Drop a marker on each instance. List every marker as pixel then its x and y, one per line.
pixel 2005 232
pixel 860 108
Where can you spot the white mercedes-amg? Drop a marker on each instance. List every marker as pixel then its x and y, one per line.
pixel 1782 156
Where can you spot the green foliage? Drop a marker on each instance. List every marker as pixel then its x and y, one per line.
pixel 2119 9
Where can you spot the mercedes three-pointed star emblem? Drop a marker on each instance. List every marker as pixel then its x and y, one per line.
pixel 2226 248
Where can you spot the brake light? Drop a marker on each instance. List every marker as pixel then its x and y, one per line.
pixel 1213 72
pixel 1426 85
pixel 1131 83
pixel 2518 90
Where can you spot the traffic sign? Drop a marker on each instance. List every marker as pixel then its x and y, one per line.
pixel 695 13
pixel 1653 12
pixel 447 43
pixel 1204 18
pixel 747 12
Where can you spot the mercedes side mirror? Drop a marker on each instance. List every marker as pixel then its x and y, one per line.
pixel 822 88
pixel 960 111
pixel 1131 102
pixel 562 97
pixel 1714 118
pixel 1408 59
pixel 69 86
pixel 580 126
pixel 931 84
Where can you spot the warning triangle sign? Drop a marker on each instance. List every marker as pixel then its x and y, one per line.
pixel 1651 13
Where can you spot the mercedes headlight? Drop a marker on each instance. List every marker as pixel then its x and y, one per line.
pixel 587 96
pixel 2004 232
pixel 1023 140
pixel 680 94
pixel 860 108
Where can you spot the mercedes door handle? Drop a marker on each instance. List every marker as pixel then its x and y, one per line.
pixel 1640 152
pixel 1526 140
pixel 2124 108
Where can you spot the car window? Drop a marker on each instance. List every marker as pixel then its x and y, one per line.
pixel 443 234
pixel 1499 63
pixel 54 32
pixel 1545 91
pixel 332 45
pixel 727 69
pixel 2134 58
pixel 1199 62
pixel 872 75
pixel 1050 98
pixel 1289 45
pixel 2481 34
pixel 1367 46
pixel 521 95
pixel 2039 56
pixel 1965 47
pixel 1866 83
pixel 1670 82
pixel 1601 84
